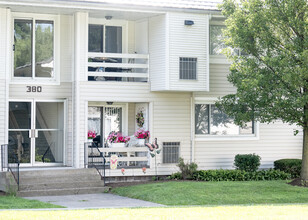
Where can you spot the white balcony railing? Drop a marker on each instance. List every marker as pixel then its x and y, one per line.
pixel 128 156
pixel 118 67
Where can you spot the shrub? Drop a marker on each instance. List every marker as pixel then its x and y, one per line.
pixel 187 169
pixel 176 176
pixel 292 166
pixel 240 175
pixel 247 162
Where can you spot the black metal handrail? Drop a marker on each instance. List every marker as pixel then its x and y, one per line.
pixel 10 161
pixel 93 160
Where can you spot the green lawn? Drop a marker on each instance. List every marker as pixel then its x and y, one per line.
pixel 12 202
pixel 218 212
pixel 216 193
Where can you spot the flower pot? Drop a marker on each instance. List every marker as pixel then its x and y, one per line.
pixel 90 140
pixel 114 145
pixel 140 142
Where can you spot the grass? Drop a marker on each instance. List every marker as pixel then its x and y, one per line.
pixel 216 193
pixel 12 202
pixel 220 212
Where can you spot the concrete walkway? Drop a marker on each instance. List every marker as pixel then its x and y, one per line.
pixel 88 201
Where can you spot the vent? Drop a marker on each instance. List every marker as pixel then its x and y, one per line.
pixel 188 68
pixel 171 152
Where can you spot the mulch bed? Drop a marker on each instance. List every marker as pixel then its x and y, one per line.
pixel 296 182
pixel 2 193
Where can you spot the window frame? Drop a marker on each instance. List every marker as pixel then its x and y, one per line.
pixel 211 137
pixel 56 49
pixel 116 23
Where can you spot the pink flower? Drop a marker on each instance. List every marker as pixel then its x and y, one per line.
pixel 142 134
pixel 91 134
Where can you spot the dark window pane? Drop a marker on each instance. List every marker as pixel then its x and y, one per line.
pixel 216 39
pixel 201 119
pixel 96 38
pixel 20 115
pixel 113 39
pixel 49 115
pixel 19 147
pixel 221 123
pixel 188 68
pixel 44 44
pixel 23 48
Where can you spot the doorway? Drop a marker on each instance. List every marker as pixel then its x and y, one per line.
pixel 104 120
pixel 36 132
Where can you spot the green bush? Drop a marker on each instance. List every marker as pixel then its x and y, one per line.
pixel 187 170
pixel 247 162
pixel 176 176
pixel 292 166
pixel 240 175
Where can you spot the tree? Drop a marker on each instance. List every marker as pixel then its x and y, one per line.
pixel 272 77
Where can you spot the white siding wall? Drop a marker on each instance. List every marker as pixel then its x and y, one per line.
pixel 170 113
pixel 188 41
pixel 131 37
pixel 158 53
pixel 276 140
pixel 131 119
pixel 66 48
pixel 4 66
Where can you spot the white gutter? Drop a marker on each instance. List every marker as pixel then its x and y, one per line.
pixel 78 5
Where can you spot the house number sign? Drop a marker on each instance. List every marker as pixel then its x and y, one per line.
pixel 34 88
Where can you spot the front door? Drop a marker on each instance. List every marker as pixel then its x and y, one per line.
pixel 36 132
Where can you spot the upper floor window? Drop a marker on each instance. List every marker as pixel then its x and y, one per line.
pixel 34 48
pixel 188 68
pixel 211 121
pixel 105 39
pixel 216 39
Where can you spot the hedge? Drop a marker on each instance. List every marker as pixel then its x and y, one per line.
pixel 236 175
pixel 292 166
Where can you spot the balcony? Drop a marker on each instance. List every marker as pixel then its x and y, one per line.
pixel 118 67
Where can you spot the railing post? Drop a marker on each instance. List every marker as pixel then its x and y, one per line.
pixel 86 155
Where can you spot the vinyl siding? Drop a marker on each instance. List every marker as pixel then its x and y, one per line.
pixel 66 48
pixel 188 41
pixel 170 114
pixel 275 141
pixel 158 53
pixel 4 64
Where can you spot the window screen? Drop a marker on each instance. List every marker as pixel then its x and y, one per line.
pixel 171 152
pixel 188 68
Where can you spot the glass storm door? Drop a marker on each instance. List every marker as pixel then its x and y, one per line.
pixel 36 132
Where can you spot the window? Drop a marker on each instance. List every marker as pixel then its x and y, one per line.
pixel 216 39
pixel 34 43
pixel 209 120
pixel 105 39
pixel 188 68
pixel 171 152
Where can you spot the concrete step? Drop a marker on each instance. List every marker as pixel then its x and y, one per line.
pixel 60 185
pixel 59 179
pixel 56 172
pixel 60 182
pixel 59 192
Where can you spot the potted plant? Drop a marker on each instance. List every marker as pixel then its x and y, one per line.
pixel 117 140
pixel 91 135
pixel 141 136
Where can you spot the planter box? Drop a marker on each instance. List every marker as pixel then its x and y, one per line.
pixel 117 145
pixel 141 142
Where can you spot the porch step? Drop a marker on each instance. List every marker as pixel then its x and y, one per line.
pixel 59 192
pixel 60 182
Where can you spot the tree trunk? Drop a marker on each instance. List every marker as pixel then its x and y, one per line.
pixel 304 171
